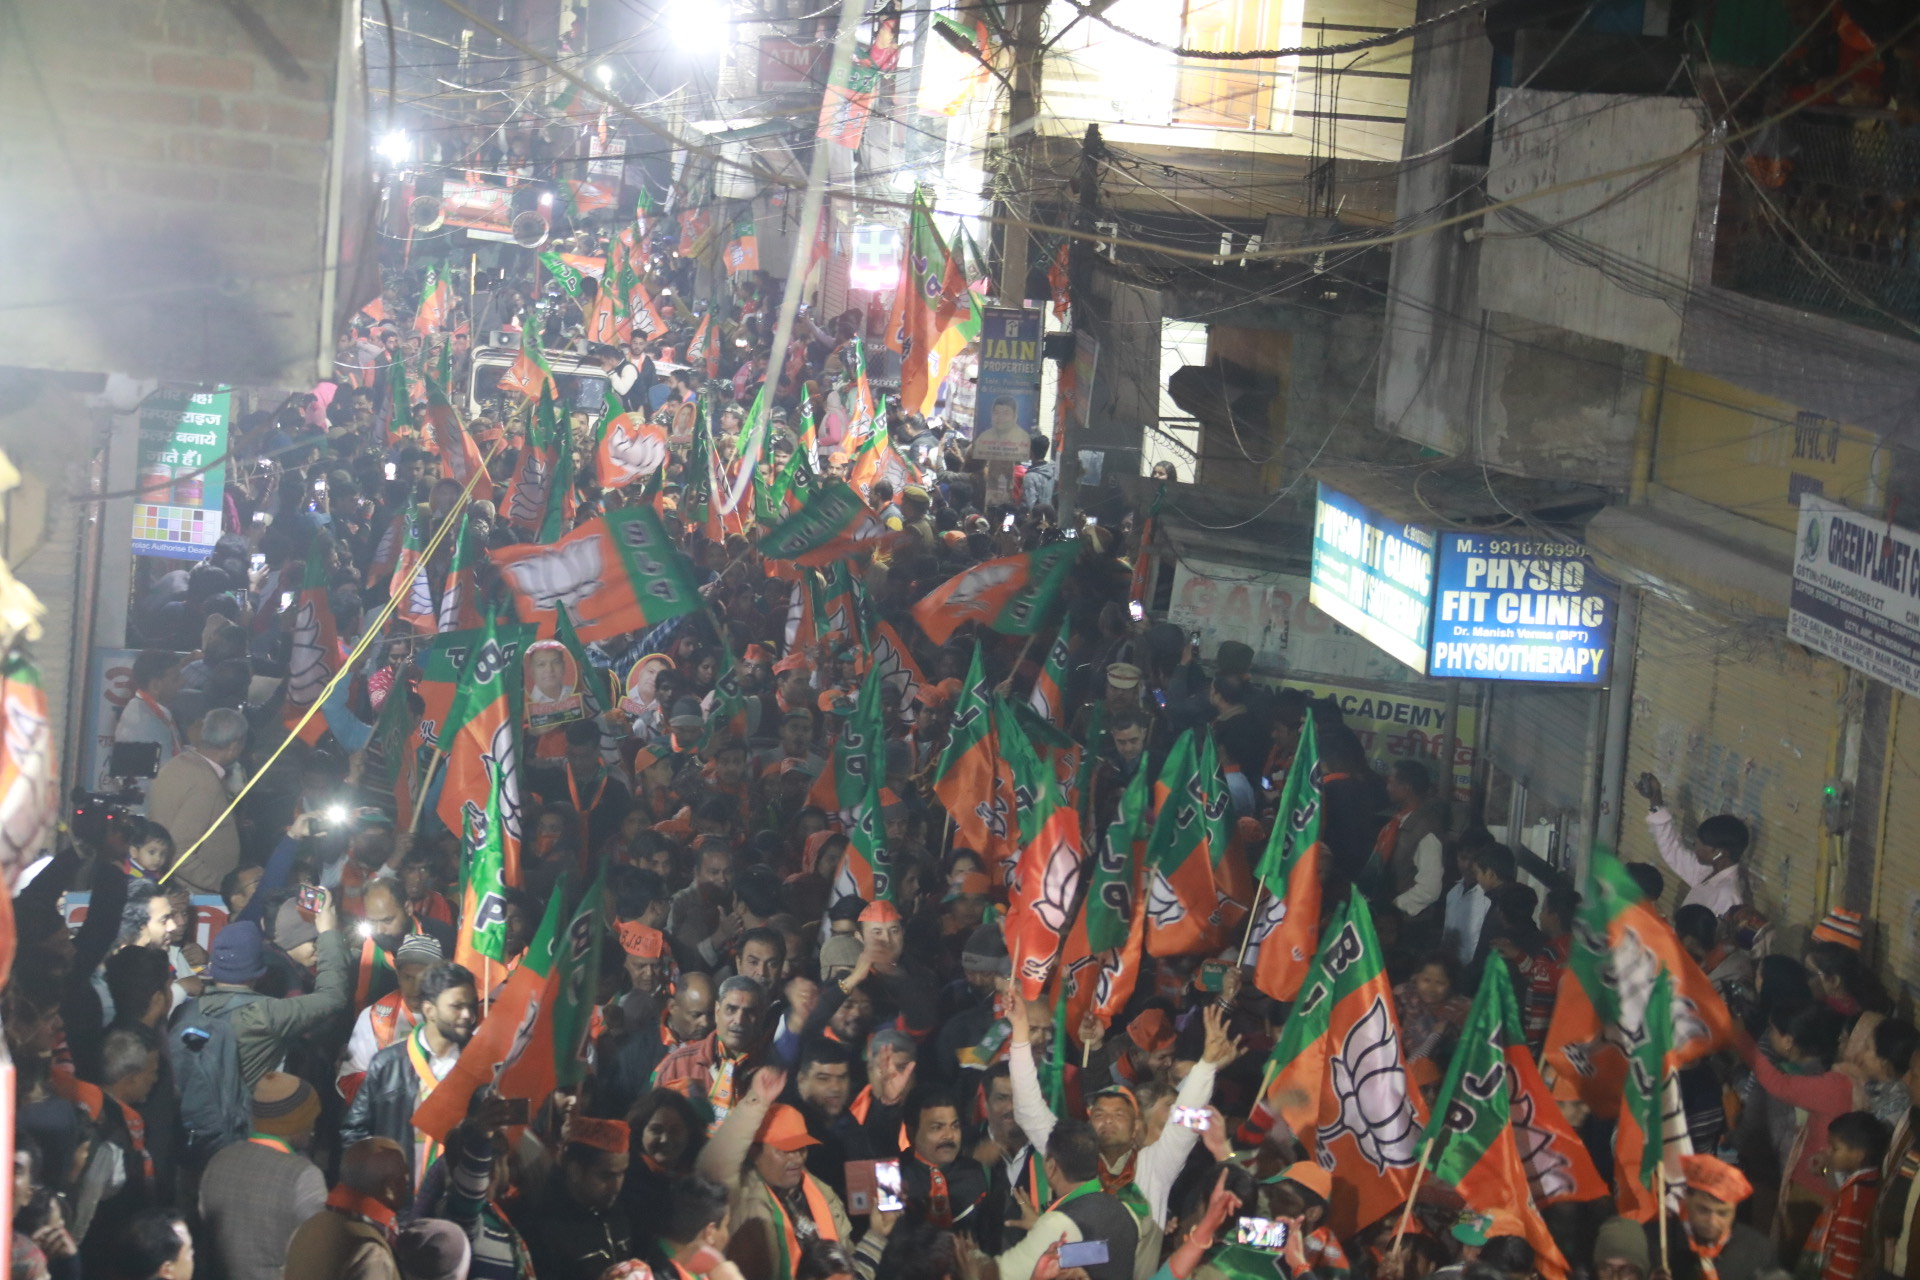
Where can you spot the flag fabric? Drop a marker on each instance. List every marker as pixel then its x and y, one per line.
pixel 594 689
pixel 564 273
pixel 444 667
pixel 532 485
pixel 400 424
pixel 743 250
pixel 836 606
pixel 834 525
pixel 512 1048
pixel 409 582
pixel 460 457
pixel 643 313
pixel 481 737
pixel 1653 1126
pixel 1474 1127
pixel 436 301
pixel 482 931
pixel 1040 894
pixel 315 654
pixel 694 225
pixel 29 780
pixel 631 448
pixel 1101 962
pixel 460 598
pixel 386 552
pixel 928 283
pixel 875 460
pixel 616 573
pixel 702 343
pixel 846 108
pixel 898 671
pixel 530 372
pixel 968 779
pixel 562 502
pixel 1284 932
pixel 1189 836
pixel 856 770
pixel 1619 945
pixel 1057 282
pixel 576 981
pixel 391 760
pixel 1339 1074
pixel 1049 695
pixel 1014 594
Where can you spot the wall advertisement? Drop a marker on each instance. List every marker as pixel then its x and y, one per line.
pixel 1374 574
pixel 1856 592
pixel 182 468
pixel 1006 398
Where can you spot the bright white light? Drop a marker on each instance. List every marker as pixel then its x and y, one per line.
pixel 546 199
pixel 906 181
pixel 698 26
pixel 394 147
pixel 604 74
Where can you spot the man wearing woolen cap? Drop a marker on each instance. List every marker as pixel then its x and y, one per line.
pixel 255 1194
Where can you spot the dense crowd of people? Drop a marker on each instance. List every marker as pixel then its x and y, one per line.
pixel 784 1080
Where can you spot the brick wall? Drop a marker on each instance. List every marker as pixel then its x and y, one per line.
pixel 166 175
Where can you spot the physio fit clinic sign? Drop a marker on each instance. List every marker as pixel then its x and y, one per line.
pixel 1374 575
pixel 1524 608
pixel 1856 592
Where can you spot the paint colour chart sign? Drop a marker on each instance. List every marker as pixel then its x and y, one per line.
pixel 1374 575
pixel 1521 608
pixel 183 436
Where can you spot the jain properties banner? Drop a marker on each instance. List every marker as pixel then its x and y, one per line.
pixel 1006 398
pixel 1856 592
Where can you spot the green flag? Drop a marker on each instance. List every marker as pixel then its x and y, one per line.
pixel 567 275
pixel 576 984
pixel 483 886
pixel 593 681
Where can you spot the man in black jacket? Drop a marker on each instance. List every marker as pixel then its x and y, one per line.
pixel 404 1072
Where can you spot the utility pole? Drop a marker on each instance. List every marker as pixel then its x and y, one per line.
pixel 1023 105
pixel 1080 255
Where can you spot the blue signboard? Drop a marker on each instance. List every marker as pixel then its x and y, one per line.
pixel 1521 608
pixel 1373 575
pixel 1006 397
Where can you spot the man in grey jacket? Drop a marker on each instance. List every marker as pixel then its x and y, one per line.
pixel 255 1194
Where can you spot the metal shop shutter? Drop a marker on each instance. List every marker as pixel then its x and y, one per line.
pixel 1896 890
pixel 1735 719
pixel 1538 737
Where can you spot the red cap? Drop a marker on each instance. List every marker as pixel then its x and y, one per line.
pixel 1151 1030
pixel 601 1135
pixel 637 939
pixel 882 912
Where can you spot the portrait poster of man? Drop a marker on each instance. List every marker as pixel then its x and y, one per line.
pixel 553 686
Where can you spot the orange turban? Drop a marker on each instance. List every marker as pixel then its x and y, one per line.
pixel 1713 1176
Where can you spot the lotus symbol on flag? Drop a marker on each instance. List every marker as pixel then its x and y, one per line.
pixel 1062 877
pixel 306 665
pixel 1371 1084
pixel 1272 916
pixel 637 446
pixel 970 593
pixel 522 1039
pixel 568 574
pixel 503 758
pixel 1164 907
pixel 530 495
pixel 1550 1172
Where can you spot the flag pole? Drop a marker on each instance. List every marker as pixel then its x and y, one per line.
pixel 1660 1204
pixel 1253 918
pixel 1413 1192
pixel 426 784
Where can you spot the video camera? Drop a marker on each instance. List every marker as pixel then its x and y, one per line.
pixel 95 814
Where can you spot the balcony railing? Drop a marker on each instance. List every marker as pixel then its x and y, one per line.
pixel 1822 213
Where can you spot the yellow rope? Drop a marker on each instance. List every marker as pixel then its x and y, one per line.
pixel 367 637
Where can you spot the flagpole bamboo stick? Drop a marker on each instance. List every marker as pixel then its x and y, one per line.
pixel 1660 1207
pixel 1253 918
pixel 426 784
pixel 1413 1192
pixel 372 632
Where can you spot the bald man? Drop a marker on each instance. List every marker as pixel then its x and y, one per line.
pixel 688 1018
pixel 348 1240
pixel 385 907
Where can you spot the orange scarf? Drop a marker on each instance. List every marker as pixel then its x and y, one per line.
pixel 344 1200
pixel 426 1149
pixel 817 1210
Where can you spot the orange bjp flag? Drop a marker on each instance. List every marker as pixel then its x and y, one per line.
pixel 1013 594
pixel 616 573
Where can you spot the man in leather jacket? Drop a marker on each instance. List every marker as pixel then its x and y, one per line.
pixel 404 1072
